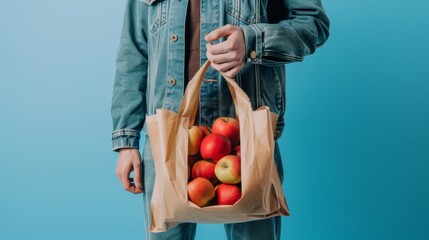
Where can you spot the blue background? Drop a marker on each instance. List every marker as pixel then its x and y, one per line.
pixel 355 148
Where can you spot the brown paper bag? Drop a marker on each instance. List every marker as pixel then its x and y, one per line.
pixel 262 194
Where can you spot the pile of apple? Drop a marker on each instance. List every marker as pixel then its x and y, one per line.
pixel 214 163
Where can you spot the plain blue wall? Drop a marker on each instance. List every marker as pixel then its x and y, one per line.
pixel 356 146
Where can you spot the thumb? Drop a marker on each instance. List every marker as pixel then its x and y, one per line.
pixel 138 180
pixel 223 31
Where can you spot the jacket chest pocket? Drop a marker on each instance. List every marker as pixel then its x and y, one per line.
pixel 244 11
pixel 157 14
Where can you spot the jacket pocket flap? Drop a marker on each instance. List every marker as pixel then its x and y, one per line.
pixel 149 2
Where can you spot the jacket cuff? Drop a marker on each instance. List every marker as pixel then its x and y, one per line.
pixel 253 40
pixel 125 138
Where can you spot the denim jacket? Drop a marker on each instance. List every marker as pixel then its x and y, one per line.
pixel 150 60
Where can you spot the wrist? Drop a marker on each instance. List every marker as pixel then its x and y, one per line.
pixel 127 149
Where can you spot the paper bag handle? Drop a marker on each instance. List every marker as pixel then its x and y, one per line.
pixel 191 98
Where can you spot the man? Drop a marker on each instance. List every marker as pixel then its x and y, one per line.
pixel 164 42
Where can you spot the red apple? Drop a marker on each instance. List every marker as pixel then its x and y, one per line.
pixel 204 169
pixel 194 140
pixel 229 127
pixel 236 151
pixel 206 130
pixel 228 169
pixel 227 194
pixel 215 146
pixel 201 191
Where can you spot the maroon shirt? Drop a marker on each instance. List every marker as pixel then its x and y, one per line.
pixel 192 40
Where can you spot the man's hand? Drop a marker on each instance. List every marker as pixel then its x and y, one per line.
pixel 228 56
pixel 130 160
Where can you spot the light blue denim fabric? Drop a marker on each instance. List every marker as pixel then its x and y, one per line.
pixel 150 60
pixel 150 64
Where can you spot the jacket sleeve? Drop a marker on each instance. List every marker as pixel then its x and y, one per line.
pixel 295 29
pixel 128 107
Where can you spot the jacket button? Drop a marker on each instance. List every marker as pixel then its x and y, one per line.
pixel 172 82
pixel 173 37
pixel 253 54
